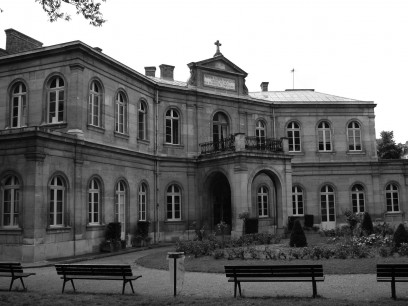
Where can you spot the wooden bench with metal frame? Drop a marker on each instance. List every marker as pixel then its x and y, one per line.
pixel 392 273
pixel 274 273
pixel 70 272
pixel 15 271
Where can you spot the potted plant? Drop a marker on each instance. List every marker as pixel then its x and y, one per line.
pixel 142 233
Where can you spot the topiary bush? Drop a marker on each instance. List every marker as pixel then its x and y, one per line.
pixel 367 225
pixel 400 236
pixel 297 237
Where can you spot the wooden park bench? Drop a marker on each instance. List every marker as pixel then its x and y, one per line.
pixel 14 270
pixel 277 273
pixel 392 273
pixel 70 272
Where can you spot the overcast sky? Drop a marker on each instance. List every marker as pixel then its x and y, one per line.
pixel 351 48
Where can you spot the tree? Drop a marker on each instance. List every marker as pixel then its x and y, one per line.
pixel 387 148
pixel 400 236
pixel 367 224
pixel 88 8
pixel 297 237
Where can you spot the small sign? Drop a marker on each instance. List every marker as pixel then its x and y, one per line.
pixel 219 82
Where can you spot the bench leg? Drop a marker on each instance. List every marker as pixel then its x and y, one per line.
pixel 314 289
pixel 239 287
pixel 393 293
pixel 11 284
pixel 67 280
pixel 235 289
pixel 131 285
pixel 22 282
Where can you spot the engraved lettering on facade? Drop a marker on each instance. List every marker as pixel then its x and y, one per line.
pixel 216 81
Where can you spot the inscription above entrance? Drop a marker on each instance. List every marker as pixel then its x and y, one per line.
pixel 219 82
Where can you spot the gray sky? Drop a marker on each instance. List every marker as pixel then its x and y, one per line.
pixel 352 48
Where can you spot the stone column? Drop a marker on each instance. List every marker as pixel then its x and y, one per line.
pixel 76 101
pixel 239 197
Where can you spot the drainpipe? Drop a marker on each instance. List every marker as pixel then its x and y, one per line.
pixel 274 124
pixel 156 168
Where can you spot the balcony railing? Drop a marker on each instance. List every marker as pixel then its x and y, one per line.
pixel 226 144
pixel 241 142
pixel 263 144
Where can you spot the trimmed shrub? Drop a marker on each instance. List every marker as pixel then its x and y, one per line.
pixel 400 236
pixel 251 226
pixel 367 225
pixel 113 231
pixel 309 221
pixel 297 237
pixel 291 222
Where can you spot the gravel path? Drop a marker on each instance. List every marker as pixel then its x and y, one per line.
pixel 357 287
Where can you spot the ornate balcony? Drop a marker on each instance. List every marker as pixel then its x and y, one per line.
pixel 240 142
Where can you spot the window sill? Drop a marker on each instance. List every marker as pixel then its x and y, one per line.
pixel 144 141
pixel 95 227
pixel 58 125
pixel 326 152
pixel 96 128
pixel 11 231
pixel 60 229
pixel 356 152
pixel 120 135
pixel 295 153
pixel 173 146
pixel 393 213
pixel 175 222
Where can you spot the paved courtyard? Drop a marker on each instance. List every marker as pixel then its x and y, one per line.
pixel 156 283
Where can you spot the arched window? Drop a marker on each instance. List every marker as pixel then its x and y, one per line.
pixel 121 113
pixel 172 126
pixel 56 100
pixel 324 134
pixel 18 112
pixel 142 202
pixel 263 199
pixel 260 133
pixel 358 198
pixel 392 198
pixel 120 206
pixel 10 186
pixel 142 114
pixel 94 202
pixel 173 203
pixel 57 202
pixel 354 136
pixel 327 202
pixel 297 201
pixel 220 130
pixel 95 105
pixel 293 133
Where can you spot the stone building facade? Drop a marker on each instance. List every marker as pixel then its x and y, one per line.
pixel 86 140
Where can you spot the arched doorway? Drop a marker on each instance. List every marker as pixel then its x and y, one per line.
pixel 220 196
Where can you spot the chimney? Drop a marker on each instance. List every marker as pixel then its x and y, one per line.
pixel 166 72
pixel 264 86
pixel 150 71
pixel 17 42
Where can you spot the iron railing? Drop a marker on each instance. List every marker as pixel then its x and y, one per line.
pixel 263 144
pixel 226 144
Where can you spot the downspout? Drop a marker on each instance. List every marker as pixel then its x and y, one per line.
pixel 274 124
pixel 156 168
pixel 74 192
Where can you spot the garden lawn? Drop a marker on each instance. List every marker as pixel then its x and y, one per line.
pixel 330 266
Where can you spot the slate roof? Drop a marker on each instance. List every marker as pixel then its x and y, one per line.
pixel 168 82
pixel 300 96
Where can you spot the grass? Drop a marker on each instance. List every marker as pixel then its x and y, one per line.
pixel 330 266
pixel 34 298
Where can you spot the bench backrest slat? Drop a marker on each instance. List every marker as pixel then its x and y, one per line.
pixel 96 270
pixel 275 271
pixel 11 267
pixel 390 270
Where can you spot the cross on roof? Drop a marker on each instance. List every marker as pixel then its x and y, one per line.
pixel 218 44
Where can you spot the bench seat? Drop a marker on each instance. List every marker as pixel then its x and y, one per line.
pixel 274 273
